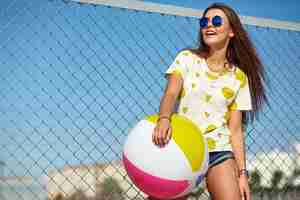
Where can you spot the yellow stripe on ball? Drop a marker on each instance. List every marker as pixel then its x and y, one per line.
pixel 188 137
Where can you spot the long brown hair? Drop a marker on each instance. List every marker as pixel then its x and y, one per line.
pixel 240 52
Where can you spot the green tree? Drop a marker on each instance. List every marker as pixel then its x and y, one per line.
pixel 289 185
pixel 276 179
pixel 255 181
pixel 109 189
pixel 296 174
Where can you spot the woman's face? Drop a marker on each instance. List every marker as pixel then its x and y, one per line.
pixel 217 36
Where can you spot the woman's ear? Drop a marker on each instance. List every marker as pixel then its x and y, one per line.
pixel 231 34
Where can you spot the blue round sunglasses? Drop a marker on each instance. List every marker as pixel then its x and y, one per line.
pixel 216 21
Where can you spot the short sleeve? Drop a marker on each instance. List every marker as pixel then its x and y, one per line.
pixel 242 100
pixel 179 65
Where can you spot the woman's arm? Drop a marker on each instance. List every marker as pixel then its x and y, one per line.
pixel 171 93
pixel 237 138
pixel 238 146
pixel 162 131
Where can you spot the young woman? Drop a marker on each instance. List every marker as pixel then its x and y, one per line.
pixel 219 86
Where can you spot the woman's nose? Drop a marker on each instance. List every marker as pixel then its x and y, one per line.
pixel 209 23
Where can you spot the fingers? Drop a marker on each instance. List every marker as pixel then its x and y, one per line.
pixel 160 138
pixel 161 134
pixel 242 193
pixel 245 193
pixel 168 135
pixel 156 136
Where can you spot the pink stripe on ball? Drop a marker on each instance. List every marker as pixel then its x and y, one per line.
pixel 152 185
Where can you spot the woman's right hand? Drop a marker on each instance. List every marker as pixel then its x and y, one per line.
pixel 162 132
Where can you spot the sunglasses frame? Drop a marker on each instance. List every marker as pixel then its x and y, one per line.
pixel 216 21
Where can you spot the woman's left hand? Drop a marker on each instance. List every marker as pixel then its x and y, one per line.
pixel 244 187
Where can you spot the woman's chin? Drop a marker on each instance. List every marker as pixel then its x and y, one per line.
pixel 214 42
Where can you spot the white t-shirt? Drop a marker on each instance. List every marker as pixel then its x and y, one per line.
pixel 207 97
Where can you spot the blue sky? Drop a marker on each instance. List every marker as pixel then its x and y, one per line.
pixel 74 78
pixel 287 10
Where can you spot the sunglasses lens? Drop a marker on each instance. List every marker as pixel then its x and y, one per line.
pixel 217 20
pixel 203 22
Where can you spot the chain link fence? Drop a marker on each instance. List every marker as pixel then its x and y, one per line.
pixel 75 77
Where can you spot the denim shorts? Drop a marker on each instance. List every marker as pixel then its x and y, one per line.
pixel 217 157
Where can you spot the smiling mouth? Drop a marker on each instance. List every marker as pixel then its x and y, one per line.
pixel 210 33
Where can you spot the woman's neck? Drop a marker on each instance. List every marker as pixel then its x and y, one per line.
pixel 217 61
pixel 217 56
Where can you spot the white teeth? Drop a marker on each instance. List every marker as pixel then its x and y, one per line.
pixel 210 32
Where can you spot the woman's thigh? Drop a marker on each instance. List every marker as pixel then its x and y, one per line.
pixel 222 181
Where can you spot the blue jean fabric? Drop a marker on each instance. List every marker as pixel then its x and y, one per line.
pixel 218 157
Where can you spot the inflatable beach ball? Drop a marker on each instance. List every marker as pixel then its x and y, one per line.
pixel 170 171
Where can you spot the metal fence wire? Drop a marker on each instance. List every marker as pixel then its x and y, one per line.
pixel 75 77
